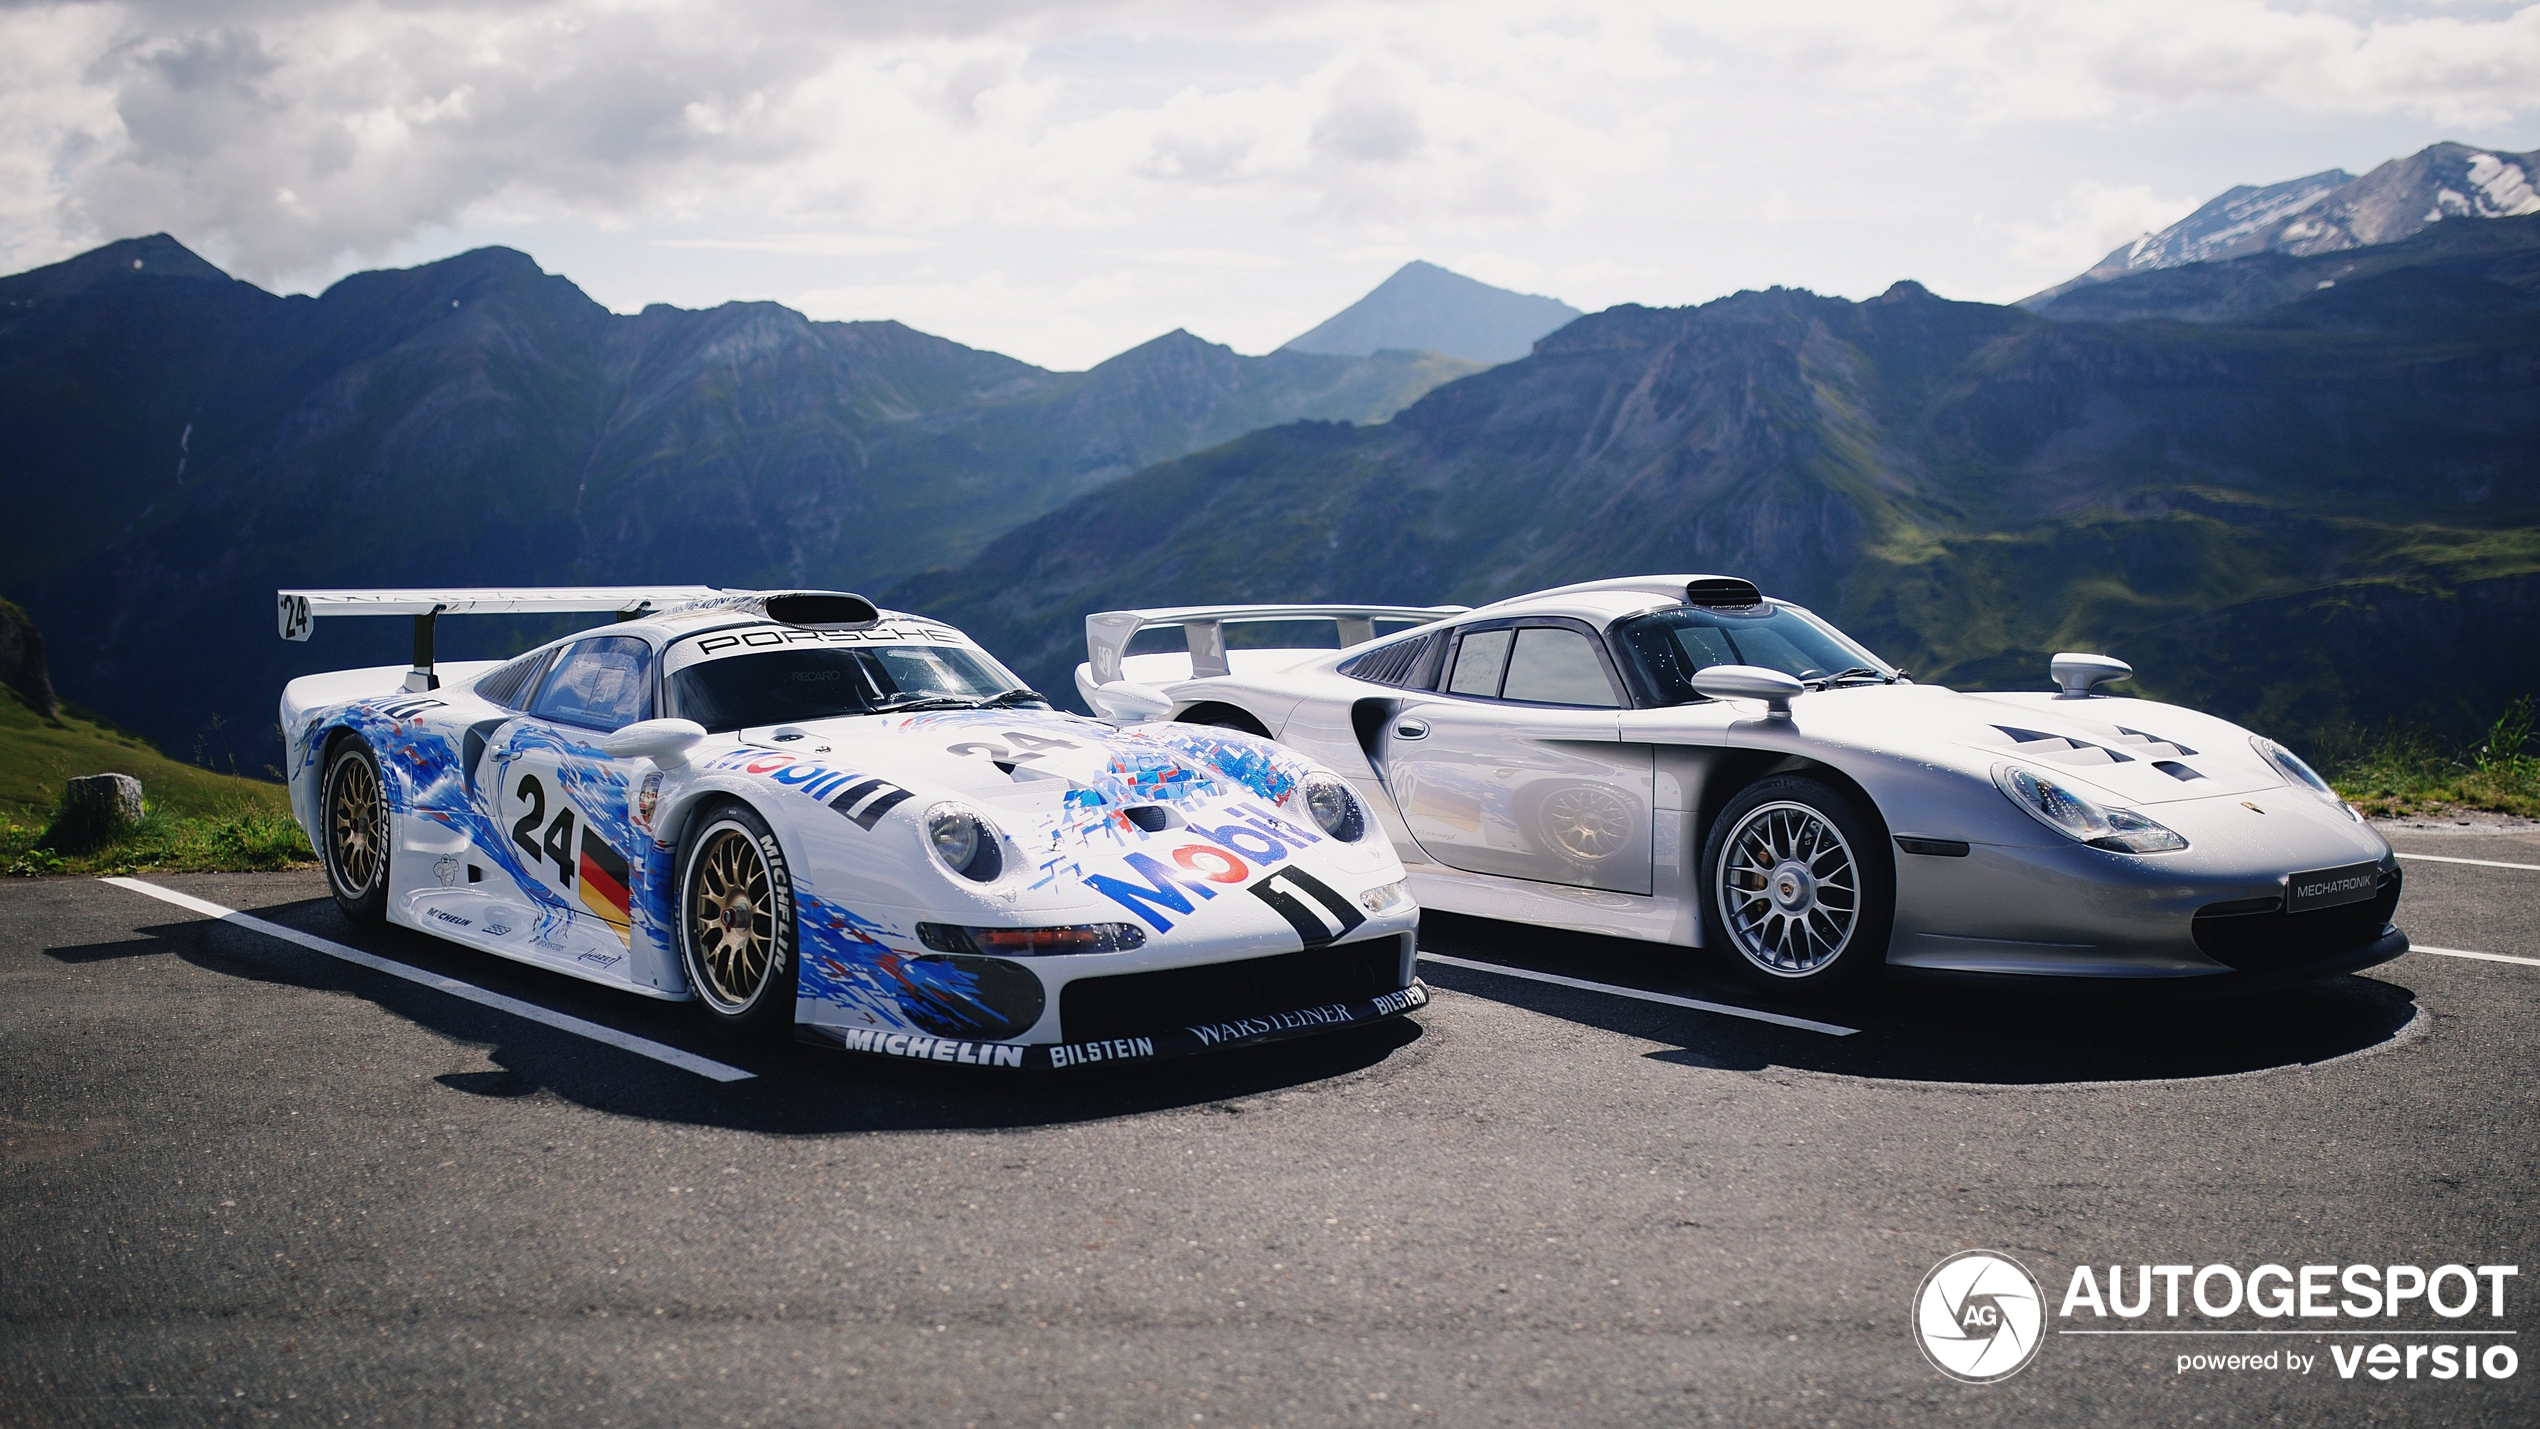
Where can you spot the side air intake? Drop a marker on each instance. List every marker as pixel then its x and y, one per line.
pixel 1389 666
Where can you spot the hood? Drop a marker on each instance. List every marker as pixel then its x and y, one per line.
pixel 2137 752
pixel 1039 760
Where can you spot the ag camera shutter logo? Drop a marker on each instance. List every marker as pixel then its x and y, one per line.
pixel 1979 1317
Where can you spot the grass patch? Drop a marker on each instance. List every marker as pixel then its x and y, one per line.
pixel 2407 771
pixel 194 820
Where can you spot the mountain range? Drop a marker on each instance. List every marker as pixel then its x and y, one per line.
pixel 2330 212
pixel 175 443
pixel 2299 489
pixel 2324 512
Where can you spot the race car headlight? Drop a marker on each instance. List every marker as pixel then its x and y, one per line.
pixel 1384 897
pixel 2077 818
pixel 2299 773
pixel 1333 807
pixel 966 842
pixel 1033 942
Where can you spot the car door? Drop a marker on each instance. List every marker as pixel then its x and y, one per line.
pixel 564 804
pixel 1515 765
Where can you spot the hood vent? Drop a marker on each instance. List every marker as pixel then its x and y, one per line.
pixel 2061 749
pixel 2155 743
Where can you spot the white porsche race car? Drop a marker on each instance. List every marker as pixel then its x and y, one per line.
pixel 1678 759
pixel 808 814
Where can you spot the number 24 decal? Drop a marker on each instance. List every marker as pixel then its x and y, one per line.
pixel 1030 746
pixel 559 841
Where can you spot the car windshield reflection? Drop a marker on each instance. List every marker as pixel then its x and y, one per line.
pixel 1672 645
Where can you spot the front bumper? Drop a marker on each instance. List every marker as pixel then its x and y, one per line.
pixel 2191 988
pixel 1163 1042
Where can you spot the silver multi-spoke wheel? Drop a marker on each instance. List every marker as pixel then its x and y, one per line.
pixel 1789 889
pixel 732 910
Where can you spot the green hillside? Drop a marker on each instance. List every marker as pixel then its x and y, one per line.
pixel 196 819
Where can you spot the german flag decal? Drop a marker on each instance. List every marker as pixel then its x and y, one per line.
pixel 604 880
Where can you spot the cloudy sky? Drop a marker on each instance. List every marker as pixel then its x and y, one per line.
pixel 1062 180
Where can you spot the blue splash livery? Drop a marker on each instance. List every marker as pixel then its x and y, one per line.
pixel 799 811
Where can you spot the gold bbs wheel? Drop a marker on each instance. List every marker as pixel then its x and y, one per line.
pixel 736 920
pixel 354 825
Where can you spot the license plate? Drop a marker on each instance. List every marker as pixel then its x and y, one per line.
pixel 2329 887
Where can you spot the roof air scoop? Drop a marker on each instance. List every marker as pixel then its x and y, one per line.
pixel 1722 591
pixel 820 609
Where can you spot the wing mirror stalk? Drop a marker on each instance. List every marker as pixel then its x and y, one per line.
pixel 666 742
pixel 1749 682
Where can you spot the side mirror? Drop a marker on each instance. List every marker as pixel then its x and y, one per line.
pixel 1121 702
pixel 1749 682
pixel 663 741
pixel 2077 673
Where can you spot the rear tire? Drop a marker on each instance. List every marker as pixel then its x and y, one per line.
pixel 354 832
pixel 1798 888
pixel 736 922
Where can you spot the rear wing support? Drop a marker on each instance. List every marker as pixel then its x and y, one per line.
pixel 1108 633
pixel 296 611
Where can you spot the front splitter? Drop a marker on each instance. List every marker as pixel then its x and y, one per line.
pixel 1154 1046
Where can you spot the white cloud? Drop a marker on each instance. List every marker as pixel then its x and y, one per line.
pixel 1072 170
pixel 2091 220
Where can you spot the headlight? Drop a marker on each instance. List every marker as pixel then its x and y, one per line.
pixel 2298 773
pixel 1333 807
pixel 2069 814
pixel 1385 896
pixel 1033 942
pixel 965 842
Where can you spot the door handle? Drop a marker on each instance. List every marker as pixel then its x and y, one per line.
pixel 1412 729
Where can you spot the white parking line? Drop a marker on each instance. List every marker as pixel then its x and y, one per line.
pixel 1697 1005
pixel 563 1022
pixel 2480 862
pixel 2482 957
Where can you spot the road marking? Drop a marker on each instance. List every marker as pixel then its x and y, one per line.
pixel 563 1022
pixel 1697 1005
pixel 2479 862
pixel 2482 957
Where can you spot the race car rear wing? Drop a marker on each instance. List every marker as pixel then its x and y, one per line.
pixel 1108 633
pixel 297 611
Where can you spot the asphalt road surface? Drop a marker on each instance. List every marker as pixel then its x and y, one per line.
pixel 242 1181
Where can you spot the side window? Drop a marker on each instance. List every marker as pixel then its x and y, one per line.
pixel 1478 661
pixel 1557 667
pixel 604 683
pixel 510 685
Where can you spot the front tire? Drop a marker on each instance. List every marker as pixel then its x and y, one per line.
pixel 353 832
pixel 736 922
pixel 1798 887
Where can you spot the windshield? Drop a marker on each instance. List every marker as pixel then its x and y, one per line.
pixel 787 686
pixel 1673 644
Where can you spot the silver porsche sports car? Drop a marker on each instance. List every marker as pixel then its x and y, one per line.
pixel 1683 760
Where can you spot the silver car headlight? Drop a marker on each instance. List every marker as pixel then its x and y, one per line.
pixel 1334 808
pixel 965 841
pixel 2079 818
pixel 2297 772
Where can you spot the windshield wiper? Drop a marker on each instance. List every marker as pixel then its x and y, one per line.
pixel 923 702
pixel 1857 672
pixel 1008 698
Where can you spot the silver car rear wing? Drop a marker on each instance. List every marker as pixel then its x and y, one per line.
pixel 297 611
pixel 1108 633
